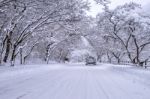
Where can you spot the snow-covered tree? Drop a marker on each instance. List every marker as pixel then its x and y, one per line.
pixel 128 27
pixel 25 18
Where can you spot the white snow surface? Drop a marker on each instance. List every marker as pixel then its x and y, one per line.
pixel 74 81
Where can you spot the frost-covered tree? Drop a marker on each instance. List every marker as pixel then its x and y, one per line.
pixel 23 19
pixel 130 28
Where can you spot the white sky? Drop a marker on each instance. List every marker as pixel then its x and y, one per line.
pixel 95 8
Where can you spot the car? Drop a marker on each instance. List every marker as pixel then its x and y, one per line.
pixel 90 60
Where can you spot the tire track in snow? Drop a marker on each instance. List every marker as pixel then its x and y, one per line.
pixel 101 87
pixel 31 86
pixel 111 87
pixel 132 89
pixel 74 83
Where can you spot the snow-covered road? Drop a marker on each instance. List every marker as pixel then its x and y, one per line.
pixel 74 82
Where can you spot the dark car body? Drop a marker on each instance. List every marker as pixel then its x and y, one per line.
pixel 90 60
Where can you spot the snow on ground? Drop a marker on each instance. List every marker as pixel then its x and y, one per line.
pixel 74 81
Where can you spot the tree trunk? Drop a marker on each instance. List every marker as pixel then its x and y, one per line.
pixel 24 60
pixel 7 51
pixel 0 61
pixel 1 58
pixel 99 58
pixel 47 54
pixel 13 56
pixel 25 57
pixel 118 61
pixel 21 57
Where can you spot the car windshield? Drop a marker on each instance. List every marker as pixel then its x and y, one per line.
pixel 91 60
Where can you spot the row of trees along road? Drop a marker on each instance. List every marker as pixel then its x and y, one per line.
pixel 33 29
